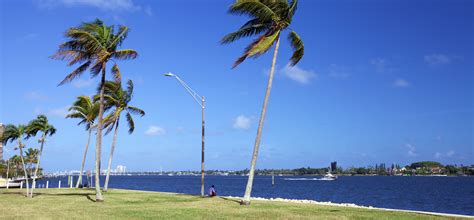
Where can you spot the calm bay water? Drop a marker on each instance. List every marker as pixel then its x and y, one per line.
pixel 437 194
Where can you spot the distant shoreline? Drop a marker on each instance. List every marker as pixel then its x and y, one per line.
pixel 276 175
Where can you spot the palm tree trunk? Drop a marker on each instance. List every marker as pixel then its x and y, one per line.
pixel 8 171
pixel 98 144
pixel 33 186
pixel 24 167
pixel 79 180
pixel 114 141
pixel 248 189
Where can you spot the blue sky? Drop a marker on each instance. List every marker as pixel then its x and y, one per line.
pixel 381 81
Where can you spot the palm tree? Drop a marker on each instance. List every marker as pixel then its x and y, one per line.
pixel 268 19
pixel 40 124
pixel 31 158
pixel 17 133
pixel 93 45
pixel 16 161
pixel 119 99
pixel 86 111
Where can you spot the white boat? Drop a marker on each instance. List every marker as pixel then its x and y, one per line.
pixel 11 183
pixel 329 176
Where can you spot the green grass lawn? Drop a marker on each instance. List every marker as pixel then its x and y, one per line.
pixel 127 204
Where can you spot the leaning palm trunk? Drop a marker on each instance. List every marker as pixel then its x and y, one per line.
pixel 98 145
pixel 24 167
pixel 248 189
pixel 79 180
pixel 114 141
pixel 33 186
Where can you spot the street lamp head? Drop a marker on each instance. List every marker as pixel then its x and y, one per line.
pixel 169 74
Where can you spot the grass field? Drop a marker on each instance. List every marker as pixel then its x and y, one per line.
pixel 127 204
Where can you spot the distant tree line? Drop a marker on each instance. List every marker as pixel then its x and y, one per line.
pixel 417 168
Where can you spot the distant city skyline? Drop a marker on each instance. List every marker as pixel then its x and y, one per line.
pixel 380 82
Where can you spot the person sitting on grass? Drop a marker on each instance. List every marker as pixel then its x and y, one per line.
pixel 212 191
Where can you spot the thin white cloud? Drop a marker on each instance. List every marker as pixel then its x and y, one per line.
pixel 450 153
pixel 36 96
pixel 411 150
pixel 381 65
pixel 58 112
pixel 298 74
pixel 378 63
pixel 148 10
pixel 155 130
pixel 339 72
pixel 82 83
pixel 105 5
pixel 29 36
pixel 437 59
pixel 242 122
pixel 401 83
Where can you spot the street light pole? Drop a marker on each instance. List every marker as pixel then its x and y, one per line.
pixel 202 149
pixel 200 100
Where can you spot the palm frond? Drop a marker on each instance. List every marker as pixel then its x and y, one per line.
pixel 293 7
pixel 251 28
pixel 86 39
pixel 40 124
pixel 258 47
pixel 116 73
pixel 125 54
pixel 129 91
pixel 120 37
pixel 135 110
pixel 253 8
pixel 298 48
pixel 76 73
pixel 12 133
pixel 100 62
pixel 131 123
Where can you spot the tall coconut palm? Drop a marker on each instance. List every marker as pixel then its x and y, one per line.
pixel 17 133
pixel 118 99
pixel 86 111
pixel 40 124
pixel 269 18
pixel 93 45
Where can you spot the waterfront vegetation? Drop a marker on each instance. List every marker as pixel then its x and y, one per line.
pixel 128 204
pixel 21 133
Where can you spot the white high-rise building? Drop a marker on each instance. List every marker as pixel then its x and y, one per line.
pixel 121 169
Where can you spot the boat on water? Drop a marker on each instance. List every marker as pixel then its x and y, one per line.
pixel 329 176
pixel 11 183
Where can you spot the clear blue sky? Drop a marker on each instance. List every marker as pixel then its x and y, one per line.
pixel 381 81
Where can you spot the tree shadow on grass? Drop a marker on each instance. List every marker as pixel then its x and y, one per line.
pixel 232 200
pixel 87 195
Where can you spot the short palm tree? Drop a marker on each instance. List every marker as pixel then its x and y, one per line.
pixel 16 161
pixel 17 133
pixel 268 19
pixel 86 111
pixel 118 99
pixel 93 45
pixel 40 124
pixel 31 158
